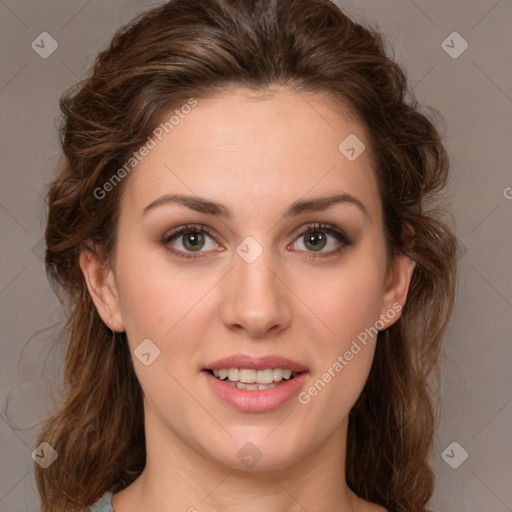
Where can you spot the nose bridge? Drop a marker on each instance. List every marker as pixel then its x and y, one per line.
pixel 256 276
pixel 255 298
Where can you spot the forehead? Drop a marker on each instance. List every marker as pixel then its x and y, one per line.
pixel 256 152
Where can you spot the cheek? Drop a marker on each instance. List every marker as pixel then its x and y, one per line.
pixel 164 308
pixel 343 359
pixel 347 303
pixel 171 306
pixel 348 299
pixel 158 308
pixel 154 293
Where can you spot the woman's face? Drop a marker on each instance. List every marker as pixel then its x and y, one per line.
pixel 255 287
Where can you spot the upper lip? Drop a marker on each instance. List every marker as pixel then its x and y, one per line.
pixel 256 363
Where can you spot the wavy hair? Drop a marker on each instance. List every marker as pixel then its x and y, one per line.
pixel 185 49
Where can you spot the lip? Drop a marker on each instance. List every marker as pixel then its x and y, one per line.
pixel 256 363
pixel 258 400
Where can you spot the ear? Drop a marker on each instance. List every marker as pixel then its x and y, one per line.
pixel 397 282
pixel 102 288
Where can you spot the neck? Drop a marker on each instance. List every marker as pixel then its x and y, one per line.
pixel 178 477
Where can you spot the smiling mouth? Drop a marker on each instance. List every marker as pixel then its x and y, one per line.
pixel 254 380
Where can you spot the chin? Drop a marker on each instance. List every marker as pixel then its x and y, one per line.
pixel 258 452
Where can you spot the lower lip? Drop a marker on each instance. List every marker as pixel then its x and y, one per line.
pixel 256 400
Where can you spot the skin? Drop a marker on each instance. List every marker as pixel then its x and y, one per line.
pixel 256 156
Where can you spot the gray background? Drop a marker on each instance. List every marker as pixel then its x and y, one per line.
pixel 474 94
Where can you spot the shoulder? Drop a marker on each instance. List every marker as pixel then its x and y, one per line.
pixel 104 504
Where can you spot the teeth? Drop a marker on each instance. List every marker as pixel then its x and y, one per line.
pixel 264 376
pixel 233 375
pixel 278 374
pixel 248 376
pixel 256 377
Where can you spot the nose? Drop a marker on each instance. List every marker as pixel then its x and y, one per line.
pixel 255 297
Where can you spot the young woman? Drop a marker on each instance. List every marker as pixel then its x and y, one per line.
pixel 258 278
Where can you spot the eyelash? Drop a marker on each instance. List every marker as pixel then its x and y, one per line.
pixel 330 229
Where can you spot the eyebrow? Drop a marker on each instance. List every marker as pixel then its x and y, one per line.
pixel 203 205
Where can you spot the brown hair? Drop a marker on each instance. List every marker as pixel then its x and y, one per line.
pixel 186 49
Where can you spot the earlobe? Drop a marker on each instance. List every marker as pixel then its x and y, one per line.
pixel 102 288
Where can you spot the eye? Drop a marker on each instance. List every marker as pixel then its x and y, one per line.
pixel 191 238
pixel 318 238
